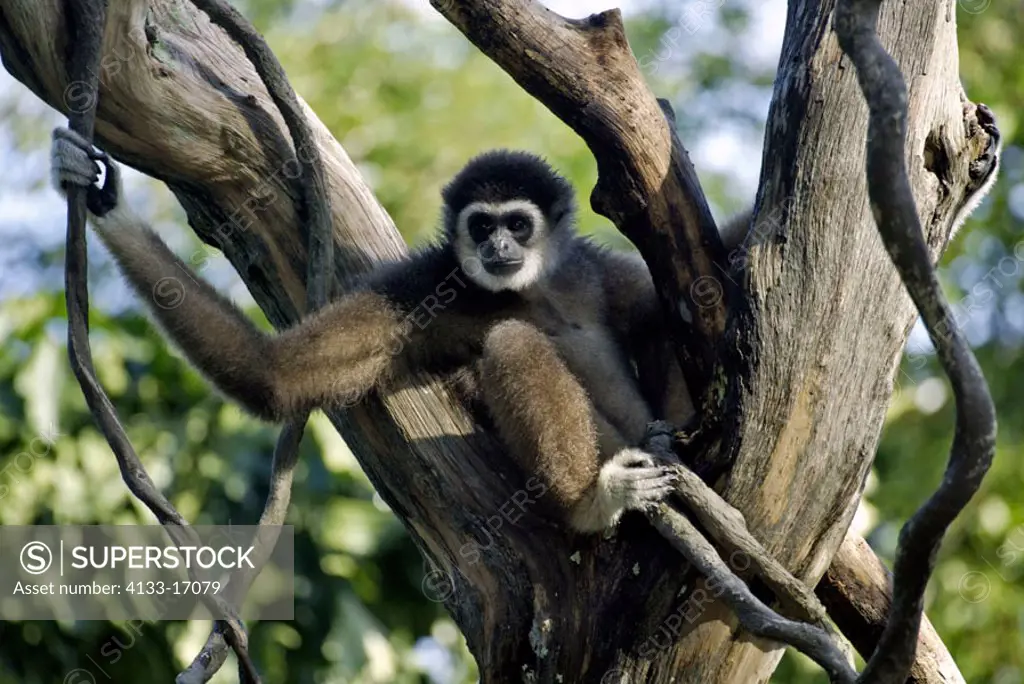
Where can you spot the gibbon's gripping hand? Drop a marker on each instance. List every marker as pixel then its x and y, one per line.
pixel 73 161
pixel 636 479
pixel 630 480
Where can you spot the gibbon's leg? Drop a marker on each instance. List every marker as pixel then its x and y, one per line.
pixel 333 356
pixel 546 420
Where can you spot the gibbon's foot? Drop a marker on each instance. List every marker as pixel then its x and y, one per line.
pixel 630 480
pixel 637 479
pixel 984 165
pixel 73 162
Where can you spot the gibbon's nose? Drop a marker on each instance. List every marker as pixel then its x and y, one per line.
pixel 502 249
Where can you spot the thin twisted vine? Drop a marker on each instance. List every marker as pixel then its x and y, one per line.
pixel 895 212
pixel 87 19
pixel 315 211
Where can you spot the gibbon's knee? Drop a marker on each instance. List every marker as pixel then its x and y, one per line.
pixel 542 413
pixel 512 339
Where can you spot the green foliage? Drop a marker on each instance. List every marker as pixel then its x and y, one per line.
pixel 411 101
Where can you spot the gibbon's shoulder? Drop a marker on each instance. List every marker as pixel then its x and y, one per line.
pixel 408 280
pixel 608 262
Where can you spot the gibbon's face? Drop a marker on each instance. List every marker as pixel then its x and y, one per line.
pixel 501 245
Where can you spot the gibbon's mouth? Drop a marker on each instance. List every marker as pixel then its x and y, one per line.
pixel 503 267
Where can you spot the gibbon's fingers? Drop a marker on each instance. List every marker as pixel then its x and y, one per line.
pixel 71 165
pixel 70 136
pixel 629 476
pixel 634 480
pixel 643 494
pixel 74 162
pixel 620 488
pixel 652 489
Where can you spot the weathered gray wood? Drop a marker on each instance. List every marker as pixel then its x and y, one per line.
pixel 825 324
pixel 827 314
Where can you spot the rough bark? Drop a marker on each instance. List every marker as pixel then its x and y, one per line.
pixel 826 314
pixel 818 339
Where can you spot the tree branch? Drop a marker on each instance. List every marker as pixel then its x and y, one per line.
pixel 857 591
pixel 895 212
pixel 754 615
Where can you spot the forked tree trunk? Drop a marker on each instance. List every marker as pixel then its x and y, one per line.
pixel 821 333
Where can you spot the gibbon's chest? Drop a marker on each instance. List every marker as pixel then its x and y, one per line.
pixel 594 355
pixel 576 326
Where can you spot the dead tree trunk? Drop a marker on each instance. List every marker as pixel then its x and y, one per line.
pixel 819 330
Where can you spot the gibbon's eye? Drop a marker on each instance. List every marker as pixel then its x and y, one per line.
pixel 480 226
pixel 520 225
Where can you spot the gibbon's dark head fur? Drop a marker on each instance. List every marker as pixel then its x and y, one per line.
pixel 503 175
pixel 507 214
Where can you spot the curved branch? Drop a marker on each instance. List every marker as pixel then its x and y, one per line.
pixel 754 615
pixel 895 212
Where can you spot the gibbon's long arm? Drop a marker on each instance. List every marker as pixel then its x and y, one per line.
pixel 335 355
